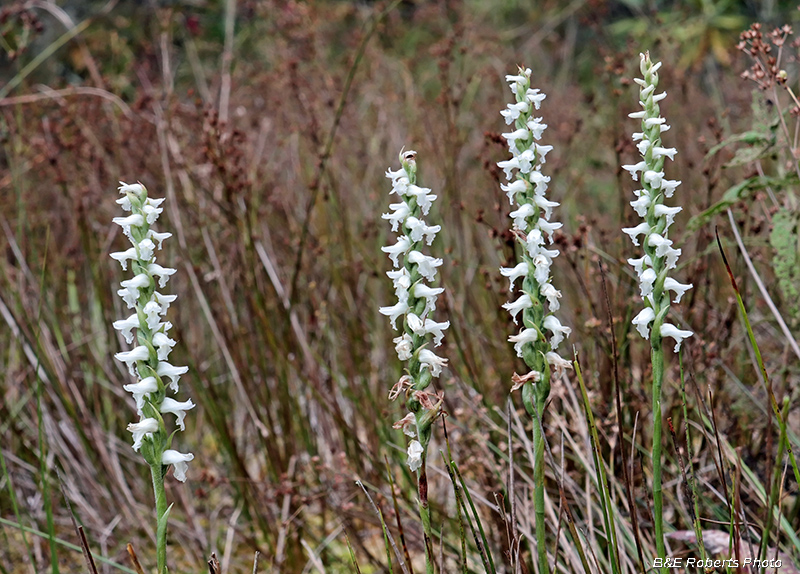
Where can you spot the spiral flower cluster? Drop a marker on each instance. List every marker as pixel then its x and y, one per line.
pixel 660 257
pixel 412 276
pixel 147 361
pixel 541 331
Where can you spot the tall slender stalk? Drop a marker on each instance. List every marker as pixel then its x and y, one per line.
pixel 148 360
pixel 532 227
pixel 160 494
pixel 657 360
pixel 659 258
pixel 416 302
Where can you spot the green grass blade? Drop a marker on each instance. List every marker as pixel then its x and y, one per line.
pixel 602 479
pixel 760 361
pixel 483 546
pixel 65 544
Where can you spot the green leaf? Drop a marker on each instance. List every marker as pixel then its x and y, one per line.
pixel 738 192
pixel 786 261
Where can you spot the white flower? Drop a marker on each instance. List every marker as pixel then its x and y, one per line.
pixel 649 204
pixel 559 331
pixel 418 230
pixel 126 326
pixel 507 166
pixel 152 312
pixel 552 295
pixel 136 189
pixel 641 204
pixel 514 273
pixel 177 408
pixel 526 160
pixel 178 461
pixel 679 289
pixel 537 128
pixel 520 215
pixel 542 150
pixel 634 169
pixel 124 256
pixel 145 427
pixel 669 330
pixel 557 362
pixel 432 362
pixel 534 96
pixel 408 424
pixel 414 455
pixel 425 264
pixel 134 220
pixel 664 151
pixel 512 112
pixel 533 228
pixel 539 180
pixel 394 311
pixel 643 320
pixel 640 264
pixel 164 301
pixel 671 256
pixel 401 247
pixel 525 336
pixel 541 266
pixel 423 327
pixel 163 345
pixel 401 279
pixel 131 357
pixel 146 249
pixel 662 244
pixel 668 213
pixel 151 212
pixel 653 178
pixel 635 232
pixel 396 175
pixel 517 186
pixel 523 302
pixel 422 291
pixel 521 134
pixel 549 227
pixel 130 288
pixel 669 186
pixel 403 346
pixel 646 280
pixel 397 216
pixel 519 80
pixel 163 273
pixel 424 197
pixel 546 205
pixel 159 237
pixel 139 390
pixel 173 373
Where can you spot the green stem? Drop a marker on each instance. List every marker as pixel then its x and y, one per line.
pixel 538 494
pixel 156 470
pixel 657 358
pixel 425 511
pixel 535 408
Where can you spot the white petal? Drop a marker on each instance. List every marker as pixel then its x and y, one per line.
pixel 414 455
pixel 668 330
pixel 178 461
pixel 643 320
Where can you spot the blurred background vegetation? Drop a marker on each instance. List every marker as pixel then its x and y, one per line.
pixel 268 125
